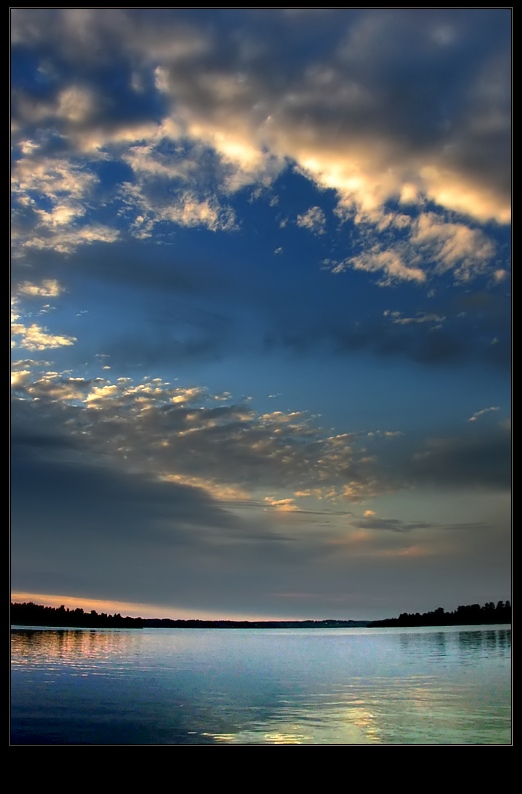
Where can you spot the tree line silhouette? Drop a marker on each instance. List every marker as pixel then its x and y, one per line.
pixel 30 614
pixel 470 615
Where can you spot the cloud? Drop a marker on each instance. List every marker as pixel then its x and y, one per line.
pixel 441 338
pixel 186 435
pixel 54 177
pixel 500 275
pixel 20 377
pixel 313 219
pixel 481 461
pixel 50 200
pixel 420 319
pixel 33 336
pixel 37 337
pixel 283 505
pixel 113 523
pixel 345 117
pixel 65 242
pixel 430 247
pixel 482 412
pixel 390 262
pixel 371 522
pixel 49 288
pixel 189 209
pixel 112 527
pixel 467 252
pixel 163 159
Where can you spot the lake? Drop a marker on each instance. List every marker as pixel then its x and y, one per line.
pixel 433 686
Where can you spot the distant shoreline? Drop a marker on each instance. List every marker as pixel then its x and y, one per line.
pixel 262 626
pixel 38 616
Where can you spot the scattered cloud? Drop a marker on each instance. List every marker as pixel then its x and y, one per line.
pixel 237 121
pixel 313 219
pixel 431 248
pixel 284 505
pixel 482 412
pixel 185 437
pixel 371 522
pixel 163 160
pixel 49 288
pixel 37 337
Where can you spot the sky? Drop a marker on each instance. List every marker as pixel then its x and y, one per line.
pixel 261 327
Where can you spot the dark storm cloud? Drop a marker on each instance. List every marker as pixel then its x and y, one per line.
pixel 143 267
pixel 391 524
pixel 484 339
pixel 477 456
pixel 397 525
pixel 110 528
pixel 95 497
pixel 482 460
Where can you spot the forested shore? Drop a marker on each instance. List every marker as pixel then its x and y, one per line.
pixel 30 614
pixel 469 615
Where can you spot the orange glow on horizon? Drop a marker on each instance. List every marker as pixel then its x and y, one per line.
pixel 134 610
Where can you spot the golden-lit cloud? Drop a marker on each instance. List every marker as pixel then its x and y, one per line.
pixel 313 219
pixel 51 387
pixel 284 505
pixel 33 336
pixel 37 337
pixel 53 177
pixel 190 209
pixel 48 288
pixel 452 245
pixel 229 124
pixel 20 377
pixel 183 435
pixel 390 262
pixel 67 186
pixel 433 247
pixel 223 493
pixel 68 240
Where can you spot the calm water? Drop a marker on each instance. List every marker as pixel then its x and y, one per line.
pixel 206 686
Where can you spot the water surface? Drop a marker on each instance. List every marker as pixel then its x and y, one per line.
pixel 449 685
